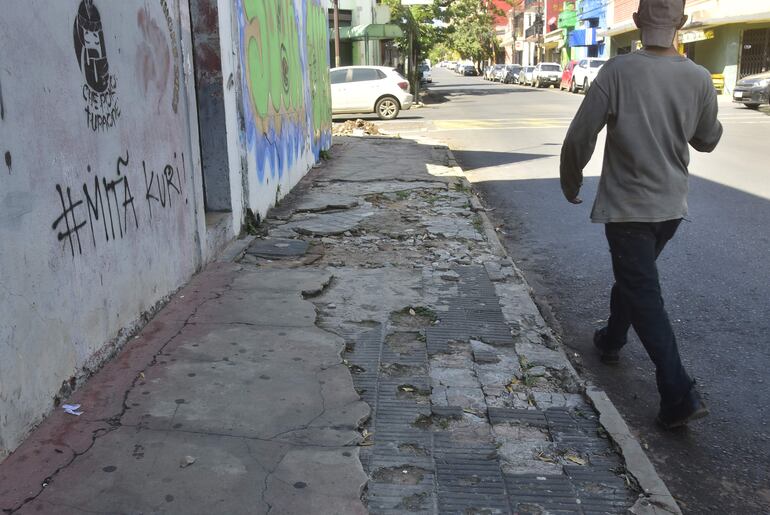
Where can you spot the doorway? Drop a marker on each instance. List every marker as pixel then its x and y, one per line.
pixel 207 61
pixel 755 52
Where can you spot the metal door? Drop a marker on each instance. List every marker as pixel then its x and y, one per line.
pixel 755 54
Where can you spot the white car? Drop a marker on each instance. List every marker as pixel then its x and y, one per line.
pixel 426 76
pixel 584 73
pixel 369 89
pixel 546 75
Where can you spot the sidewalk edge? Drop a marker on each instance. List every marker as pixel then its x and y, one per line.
pixel 657 498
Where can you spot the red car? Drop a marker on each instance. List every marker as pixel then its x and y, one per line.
pixel 566 75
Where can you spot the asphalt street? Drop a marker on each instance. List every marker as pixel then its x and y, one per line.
pixel 715 273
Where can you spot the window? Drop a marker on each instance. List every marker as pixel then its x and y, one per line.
pixel 583 64
pixel 597 64
pixel 338 76
pixel 551 68
pixel 364 74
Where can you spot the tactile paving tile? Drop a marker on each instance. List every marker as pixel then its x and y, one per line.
pixel 469 477
pixel 460 473
pixel 529 417
pixel 474 314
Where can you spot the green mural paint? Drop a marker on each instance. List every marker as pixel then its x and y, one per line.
pixel 317 45
pixel 273 57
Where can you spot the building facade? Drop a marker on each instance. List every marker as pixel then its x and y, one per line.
pixel 366 34
pixel 138 138
pixel 730 38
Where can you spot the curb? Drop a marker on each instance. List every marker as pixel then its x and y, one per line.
pixel 656 499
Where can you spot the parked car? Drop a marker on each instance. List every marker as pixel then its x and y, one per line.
pixel 753 90
pixel 470 70
pixel 491 71
pixel 525 75
pixel 546 75
pixel 511 73
pixel 369 89
pixel 584 73
pixel 566 75
pixel 425 73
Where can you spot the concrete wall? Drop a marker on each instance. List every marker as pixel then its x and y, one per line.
pixel 283 106
pixel 100 194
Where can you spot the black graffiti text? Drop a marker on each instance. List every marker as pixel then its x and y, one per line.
pixel 161 187
pixel 104 208
pixel 102 110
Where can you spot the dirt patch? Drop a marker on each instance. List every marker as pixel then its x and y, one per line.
pixel 405 342
pixel 413 503
pixel 413 393
pixel 402 475
pixel 399 370
pixel 414 317
pixel 413 448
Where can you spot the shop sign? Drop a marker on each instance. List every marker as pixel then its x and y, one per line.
pixel 519 45
pixel 691 36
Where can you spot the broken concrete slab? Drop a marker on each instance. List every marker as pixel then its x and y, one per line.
pixel 355 162
pixel 327 224
pixel 298 282
pixel 230 392
pixel 325 201
pixel 316 480
pixel 141 472
pixel 277 248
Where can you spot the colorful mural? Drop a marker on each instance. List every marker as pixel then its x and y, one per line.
pixel 285 81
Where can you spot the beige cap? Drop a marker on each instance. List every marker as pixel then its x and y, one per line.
pixel 659 21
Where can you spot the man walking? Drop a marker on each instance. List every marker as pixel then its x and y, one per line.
pixel 654 103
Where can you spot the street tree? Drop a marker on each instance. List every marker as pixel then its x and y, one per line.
pixel 471 28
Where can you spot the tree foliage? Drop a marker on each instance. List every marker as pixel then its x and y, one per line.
pixel 420 21
pixel 471 27
pixel 448 28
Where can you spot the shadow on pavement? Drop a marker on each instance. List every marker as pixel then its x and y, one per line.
pixel 475 159
pixel 440 96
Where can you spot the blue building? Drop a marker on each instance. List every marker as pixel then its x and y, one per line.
pixel 584 40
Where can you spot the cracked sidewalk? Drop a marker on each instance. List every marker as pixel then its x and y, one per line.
pixel 373 351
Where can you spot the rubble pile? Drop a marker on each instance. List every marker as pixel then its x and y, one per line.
pixel 357 127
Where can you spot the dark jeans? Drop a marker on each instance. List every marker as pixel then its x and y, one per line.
pixel 636 301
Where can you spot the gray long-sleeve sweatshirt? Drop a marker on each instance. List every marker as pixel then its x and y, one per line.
pixel 653 107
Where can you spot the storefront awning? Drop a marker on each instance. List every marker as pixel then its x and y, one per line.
pixel 555 39
pixel 555 36
pixel 370 31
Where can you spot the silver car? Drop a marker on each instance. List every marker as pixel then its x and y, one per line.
pixel 525 75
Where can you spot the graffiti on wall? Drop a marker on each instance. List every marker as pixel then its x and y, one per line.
pixel 283 108
pixel 99 91
pixel 318 70
pixel 104 207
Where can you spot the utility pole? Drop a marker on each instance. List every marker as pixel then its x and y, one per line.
pixel 336 4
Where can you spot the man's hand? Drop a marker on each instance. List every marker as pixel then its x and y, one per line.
pixel 576 200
